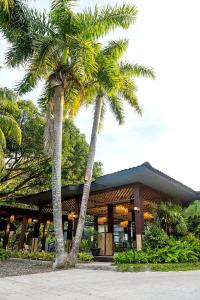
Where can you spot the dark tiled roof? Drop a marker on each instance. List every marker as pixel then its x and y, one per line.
pixel 145 174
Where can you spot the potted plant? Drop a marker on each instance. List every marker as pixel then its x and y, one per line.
pixel 94 245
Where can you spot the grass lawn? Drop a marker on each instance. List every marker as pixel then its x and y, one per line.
pixel 158 267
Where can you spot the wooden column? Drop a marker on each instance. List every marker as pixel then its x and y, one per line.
pixel 23 233
pixel 7 233
pixel 110 218
pixel 109 243
pixel 139 215
pixel 36 234
pixel 69 235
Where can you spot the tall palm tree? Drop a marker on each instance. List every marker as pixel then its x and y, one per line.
pixel 170 217
pixel 62 51
pixel 114 85
pixel 9 128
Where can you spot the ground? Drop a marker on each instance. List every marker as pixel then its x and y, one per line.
pixel 107 285
pixel 12 268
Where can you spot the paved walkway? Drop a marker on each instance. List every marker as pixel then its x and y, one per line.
pixel 95 285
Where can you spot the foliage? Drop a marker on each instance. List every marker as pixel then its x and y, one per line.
pixel 158 267
pixel 84 257
pixel 85 245
pixel 155 237
pixel 3 254
pixel 170 217
pixel 192 213
pixel 177 251
pixel 46 256
pixel 28 169
pixel 9 128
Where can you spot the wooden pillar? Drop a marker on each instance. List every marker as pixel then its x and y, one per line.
pixel 69 235
pixel 36 234
pixel 7 233
pixel 139 215
pixel 110 218
pixel 23 233
pixel 110 235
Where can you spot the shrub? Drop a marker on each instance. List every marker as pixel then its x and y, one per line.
pixel 47 256
pixel 3 254
pixel 177 251
pixel 155 237
pixel 84 257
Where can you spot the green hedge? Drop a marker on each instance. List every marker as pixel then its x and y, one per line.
pixel 175 252
pixel 46 256
pixel 3 254
pixel 158 267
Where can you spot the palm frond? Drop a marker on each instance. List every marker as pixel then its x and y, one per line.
pixel 97 23
pixel 117 108
pixel 7 5
pixel 2 139
pixel 10 128
pixel 137 70
pixel 116 48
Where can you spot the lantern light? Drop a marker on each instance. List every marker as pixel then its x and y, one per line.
pixel 12 218
pixel 101 220
pixel 123 224
pixel 148 215
pixel 137 209
pixel 121 210
pixel 48 222
pixel 72 216
pixel 30 220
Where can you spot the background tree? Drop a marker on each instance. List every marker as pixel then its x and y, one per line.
pixel 28 169
pixel 9 128
pixel 192 213
pixel 113 84
pixel 170 217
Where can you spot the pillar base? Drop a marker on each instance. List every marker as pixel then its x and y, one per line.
pixel 138 241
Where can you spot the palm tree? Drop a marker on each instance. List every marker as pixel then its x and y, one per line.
pixel 170 217
pixel 113 85
pixel 192 213
pixel 9 129
pixel 62 51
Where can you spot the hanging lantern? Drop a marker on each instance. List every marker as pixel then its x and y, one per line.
pixel 121 210
pixel 30 221
pixel 48 222
pixel 101 220
pixel 136 209
pixel 148 215
pixel 123 224
pixel 12 218
pixel 72 216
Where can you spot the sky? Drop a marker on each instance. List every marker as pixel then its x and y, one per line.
pixel 165 37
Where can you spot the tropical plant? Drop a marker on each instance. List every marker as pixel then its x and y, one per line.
pixel 170 217
pixel 192 213
pixel 155 237
pixel 61 49
pixel 176 251
pixel 9 128
pixel 113 84
pixel 27 169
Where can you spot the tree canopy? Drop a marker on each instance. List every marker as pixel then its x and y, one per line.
pixel 28 169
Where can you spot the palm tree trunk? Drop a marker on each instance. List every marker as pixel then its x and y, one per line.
pixel 56 176
pixel 88 179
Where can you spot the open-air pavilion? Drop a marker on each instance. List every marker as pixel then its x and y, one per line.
pixel 117 200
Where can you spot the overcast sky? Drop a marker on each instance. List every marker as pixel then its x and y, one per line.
pixel 166 37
